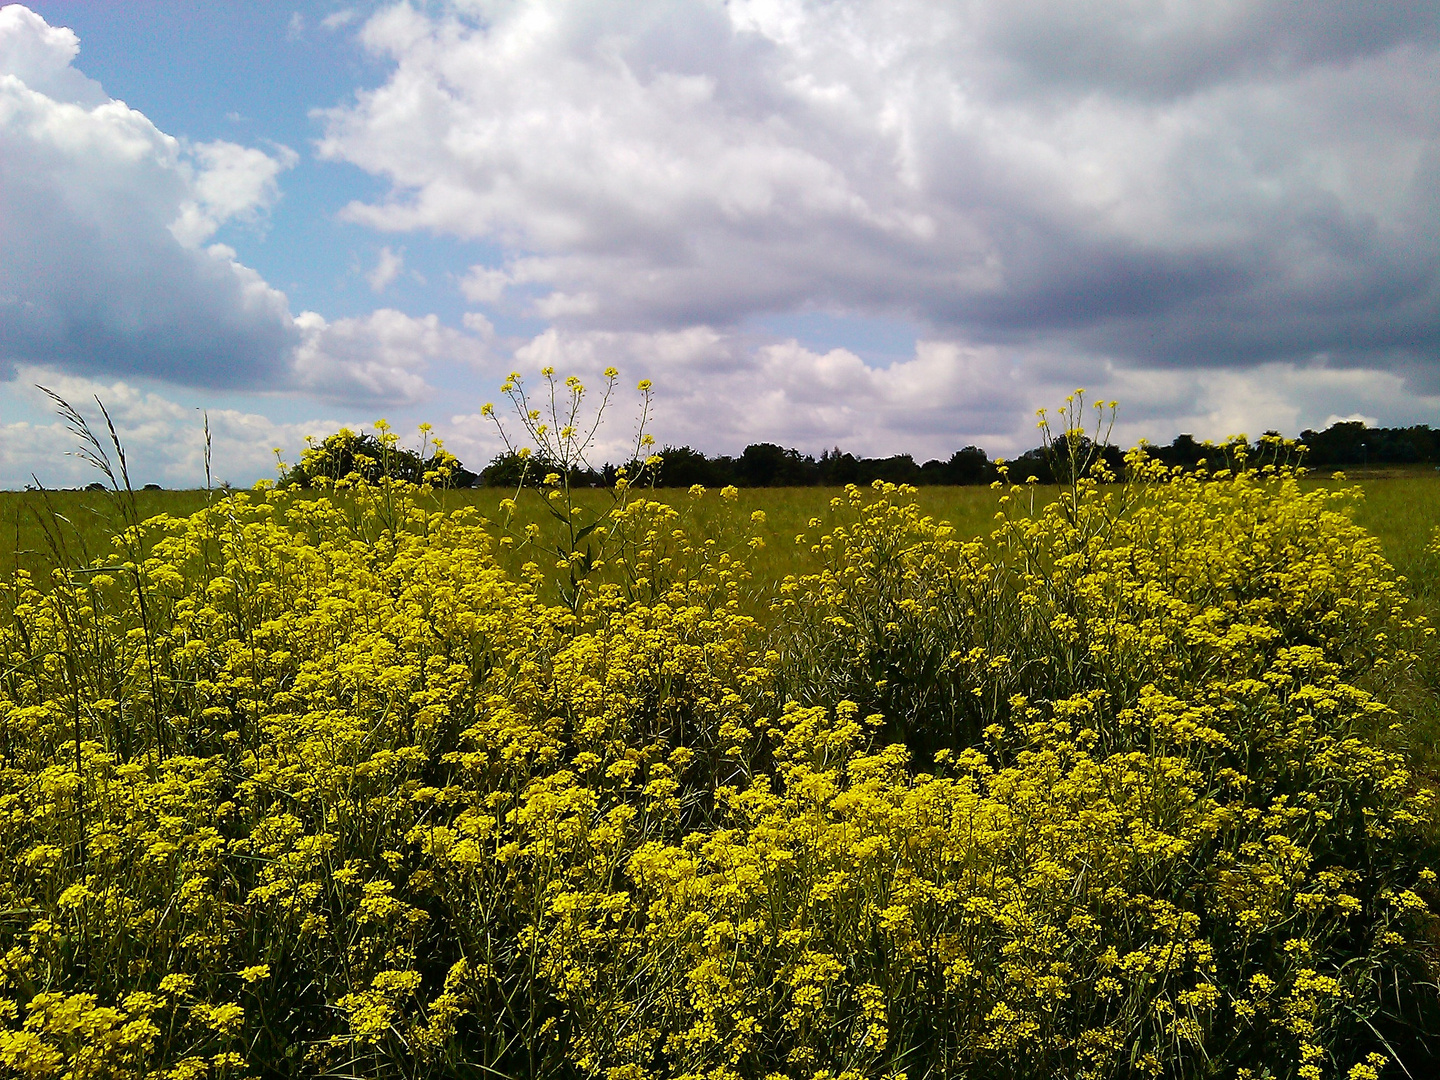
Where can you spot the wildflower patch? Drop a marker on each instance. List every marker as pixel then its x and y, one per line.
pixel 306 785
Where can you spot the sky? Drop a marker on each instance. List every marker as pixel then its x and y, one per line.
pixel 887 226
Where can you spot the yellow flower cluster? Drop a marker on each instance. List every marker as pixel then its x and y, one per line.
pixel 315 787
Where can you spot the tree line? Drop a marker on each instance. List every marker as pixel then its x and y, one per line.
pixel 1345 444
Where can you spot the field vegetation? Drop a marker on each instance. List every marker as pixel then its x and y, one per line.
pixel 1400 507
pixel 1121 777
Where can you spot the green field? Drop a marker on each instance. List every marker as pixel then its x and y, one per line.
pixel 1400 508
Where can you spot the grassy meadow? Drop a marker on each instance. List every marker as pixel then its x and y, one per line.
pixel 1106 781
pixel 1400 507
pixel 84 522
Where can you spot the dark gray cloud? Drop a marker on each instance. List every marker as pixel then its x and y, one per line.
pixel 1158 51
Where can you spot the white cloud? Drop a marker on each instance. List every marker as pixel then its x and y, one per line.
pixel 1289 397
pixel 478 325
pixel 387 269
pixel 227 182
pixel 103 266
pixel 1249 183
pixel 720 392
pixel 379 358
pixel 40 55
pixel 484 284
pixel 1353 418
pixel 557 305
pixel 94 275
pixel 338 20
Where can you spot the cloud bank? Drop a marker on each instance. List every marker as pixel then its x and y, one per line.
pixel 1234 184
pixel 722 391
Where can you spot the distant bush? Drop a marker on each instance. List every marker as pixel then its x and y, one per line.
pixel 1351 442
pixel 512 470
pixel 348 456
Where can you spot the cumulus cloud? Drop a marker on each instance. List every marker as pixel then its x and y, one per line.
pixel 107 264
pixel 1235 184
pixel 721 392
pixel 484 284
pixel 724 390
pixel 39 55
pixel 227 182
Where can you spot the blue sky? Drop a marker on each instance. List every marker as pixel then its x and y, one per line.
pixel 885 226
